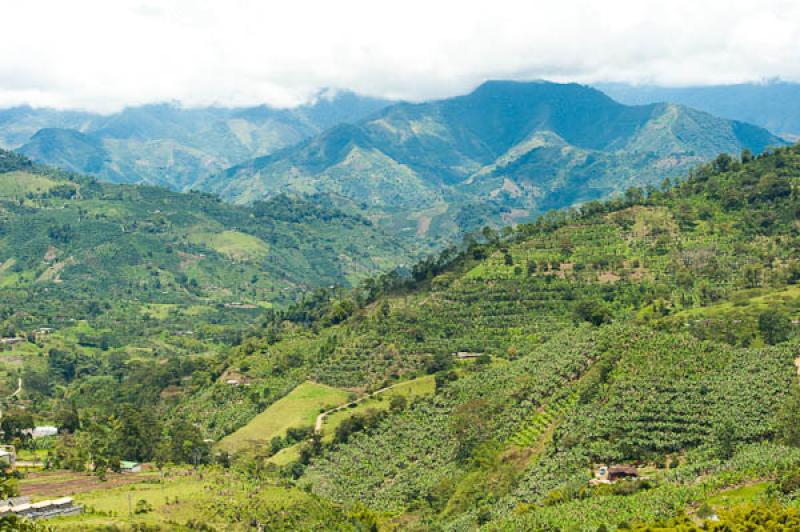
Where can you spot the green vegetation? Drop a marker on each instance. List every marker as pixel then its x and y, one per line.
pixel 119 301
pixel 296 410
pixel 653 329
pixel 505 153
pixel 656 329
pixel 170 145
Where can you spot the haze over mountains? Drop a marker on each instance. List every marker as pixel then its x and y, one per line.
pixel 166 144
pixel 773 105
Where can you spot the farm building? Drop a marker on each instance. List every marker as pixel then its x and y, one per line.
pixel 23 507
pixel 41 432
pixel 8 455
pixel 607 475
pixel 463 355
pixel 126 466
pixel 622 472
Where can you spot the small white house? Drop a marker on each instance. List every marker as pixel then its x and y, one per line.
pixel 126 466
pixel 41 431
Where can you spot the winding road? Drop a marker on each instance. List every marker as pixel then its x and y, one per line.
pixel 321 418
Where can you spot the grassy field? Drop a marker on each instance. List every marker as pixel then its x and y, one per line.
pixel 18 184
pixel 414 388
pixel 178 500
pixel 417 387
pixel 234 244
pixel 298 409
pixel 748 493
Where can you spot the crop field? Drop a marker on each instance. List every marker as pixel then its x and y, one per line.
pixel 298 409
pixel 50 484
pixel 177 500
pixel 18 184
pixel 234 244
pixel 421 386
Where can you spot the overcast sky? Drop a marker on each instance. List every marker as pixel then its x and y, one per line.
pixel 104 54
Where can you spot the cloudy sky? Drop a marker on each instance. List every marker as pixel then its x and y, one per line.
pixel 102 55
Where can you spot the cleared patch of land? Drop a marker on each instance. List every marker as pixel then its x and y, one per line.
pixel 18 184
pixel 379 401
pixel 234 244
pixel 178 499
pixel 49 484
pixel 298 409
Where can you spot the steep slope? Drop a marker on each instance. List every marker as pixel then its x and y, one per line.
pixel 516 149
pixel 172 146
pixel 69 149
pixel 637 330
pixel 774 105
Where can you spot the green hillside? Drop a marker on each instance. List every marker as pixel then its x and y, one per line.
pixel 115 296
pixel 657 329
pixel 504 153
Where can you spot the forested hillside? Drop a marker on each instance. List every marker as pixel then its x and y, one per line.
pixel 507 152
pixel 657 329
pixel 118 296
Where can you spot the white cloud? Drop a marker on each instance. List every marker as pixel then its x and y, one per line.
pixel 102 55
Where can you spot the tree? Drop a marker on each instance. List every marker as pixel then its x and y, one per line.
pixel 774 326
pixel 397 403
pixel 67 418
pixel 788 419
pixel 14 422
pixel 724 437
pixel 595 312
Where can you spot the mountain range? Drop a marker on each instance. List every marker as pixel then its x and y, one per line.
pixel 774 105
pixel 426 172
pixel 506 152
pixel 72 234
pixel 166 144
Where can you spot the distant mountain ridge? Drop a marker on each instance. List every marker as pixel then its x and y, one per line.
pixel 508 150
pixel 774 105
pixel 169 145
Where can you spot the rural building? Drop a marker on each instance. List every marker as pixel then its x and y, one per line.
pixel 41 431
pixel 23 507
pixel 8 455
pixel 126 466
pixel 463 355
pixel 622 472
pixel 607 475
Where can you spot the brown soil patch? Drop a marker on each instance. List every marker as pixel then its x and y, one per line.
pixel 423 224
pixel 607 277
pixel 66 483
pixel 51 254
pixel 188 258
